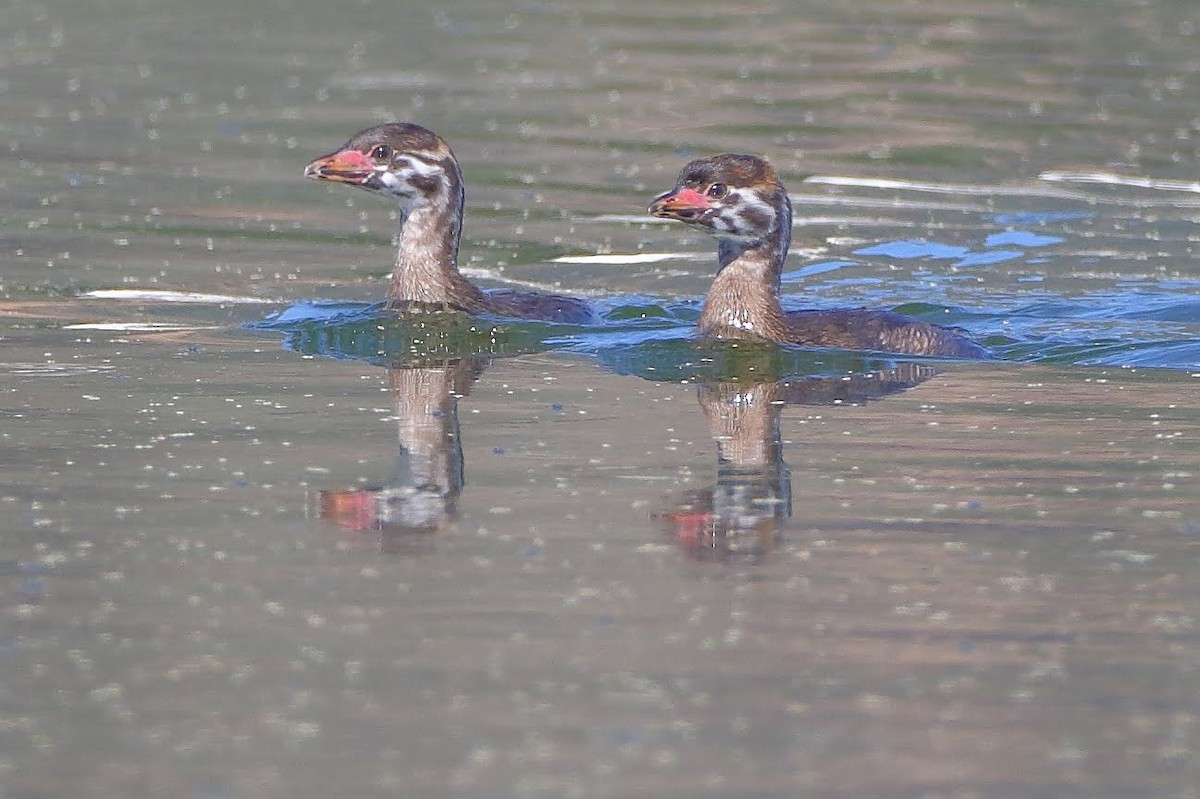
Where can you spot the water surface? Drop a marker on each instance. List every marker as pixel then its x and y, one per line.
pixel 258 540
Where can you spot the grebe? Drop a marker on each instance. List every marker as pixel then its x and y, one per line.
pixel 415 168
pixel 740 201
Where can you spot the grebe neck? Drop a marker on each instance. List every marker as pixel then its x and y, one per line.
pixel 426 267
pixel 744 298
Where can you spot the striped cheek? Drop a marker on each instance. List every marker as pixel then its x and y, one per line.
pixel 393 184
pixel 412 179
pixel 744 216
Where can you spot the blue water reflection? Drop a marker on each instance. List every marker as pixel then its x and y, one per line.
pixel 1020 238
pixel 1131 321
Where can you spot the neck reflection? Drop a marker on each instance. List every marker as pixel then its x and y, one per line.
pixel 740 516
pixel 422 496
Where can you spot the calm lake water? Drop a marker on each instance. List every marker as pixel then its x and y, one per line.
pixel 257 540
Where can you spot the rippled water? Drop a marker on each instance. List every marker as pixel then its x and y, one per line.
pixel 1005 168
pixel 259 539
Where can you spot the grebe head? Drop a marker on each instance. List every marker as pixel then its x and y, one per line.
pixel 400 161
pixel 737 198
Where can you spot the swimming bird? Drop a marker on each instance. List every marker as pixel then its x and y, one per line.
pixel 740 200
pixel 415 168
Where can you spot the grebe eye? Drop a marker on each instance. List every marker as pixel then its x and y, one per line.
pixel 381 153
pixel 717 191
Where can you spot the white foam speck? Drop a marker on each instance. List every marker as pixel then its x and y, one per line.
pixel 628 258
pixel 1121 180
pixel 1063 192
pixel 52 369
pixel 159 295
pixel 934 188
pixel 130 327
pixel 628 218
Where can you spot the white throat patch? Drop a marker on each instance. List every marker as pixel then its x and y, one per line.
pixel 396 180
pixel 747 212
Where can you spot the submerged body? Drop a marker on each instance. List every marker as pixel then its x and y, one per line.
pixel 740 201
pixel 415 168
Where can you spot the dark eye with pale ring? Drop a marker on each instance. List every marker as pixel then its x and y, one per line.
pixel 717 190
pixel 381 153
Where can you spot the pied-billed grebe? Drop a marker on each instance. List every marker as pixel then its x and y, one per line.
pixel 739 200
pixel 415 168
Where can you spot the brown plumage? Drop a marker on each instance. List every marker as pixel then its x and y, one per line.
pixel 415 168
pixel 740 200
